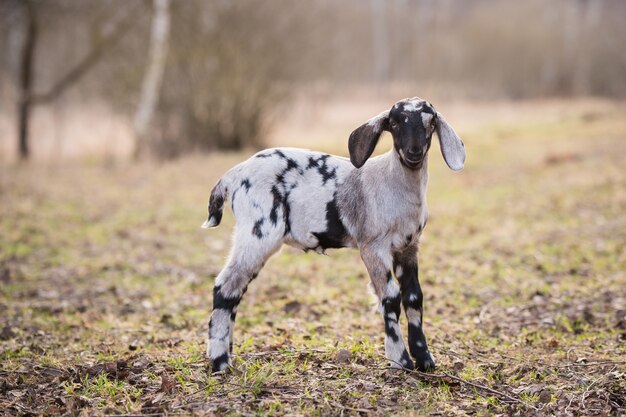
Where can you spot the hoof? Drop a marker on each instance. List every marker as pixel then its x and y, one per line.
pixel 425 361
pixel 405 362
pixel 220 363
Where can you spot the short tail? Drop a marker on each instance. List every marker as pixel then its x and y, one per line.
pixel 216 205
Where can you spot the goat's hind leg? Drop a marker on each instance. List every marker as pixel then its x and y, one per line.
pixel 406 270
pixel 388 292
pixel 245 262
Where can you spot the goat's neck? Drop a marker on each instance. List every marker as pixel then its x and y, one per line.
pixel 412 181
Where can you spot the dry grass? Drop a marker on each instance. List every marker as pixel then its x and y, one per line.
pixel 106 283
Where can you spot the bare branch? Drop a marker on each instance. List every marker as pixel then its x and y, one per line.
pixel 87 62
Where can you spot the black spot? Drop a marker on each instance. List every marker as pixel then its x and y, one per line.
pixel 256 230
pixel 409 238
pixel 291 164
pixel 286 213
pixel 233 315
pixel 335 234
pixel 219 362
pixel 322 168
pixel 263 155
pixel 246 183
pixel 275 204
pixel 280 153
pixel 221 302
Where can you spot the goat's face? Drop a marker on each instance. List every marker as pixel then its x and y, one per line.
pixel 411 123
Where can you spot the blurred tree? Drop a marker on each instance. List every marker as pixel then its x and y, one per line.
pixel 230 66
pixel 151 86
pixel 27 98
pixel 26 77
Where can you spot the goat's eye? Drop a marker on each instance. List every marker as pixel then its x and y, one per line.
pixel 393 124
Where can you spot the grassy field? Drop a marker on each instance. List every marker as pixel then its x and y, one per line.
pixel 106 284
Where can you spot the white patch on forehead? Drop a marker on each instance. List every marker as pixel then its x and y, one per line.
pixel 427 118
pixel 413 105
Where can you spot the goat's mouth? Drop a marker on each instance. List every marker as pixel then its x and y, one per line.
pixel 413 163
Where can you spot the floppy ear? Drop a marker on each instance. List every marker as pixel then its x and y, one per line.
pixel 452 147
pixel 364 138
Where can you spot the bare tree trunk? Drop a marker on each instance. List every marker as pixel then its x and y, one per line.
pixel 154 74
pixel 591 15
pixel 27 98
pixel 26 79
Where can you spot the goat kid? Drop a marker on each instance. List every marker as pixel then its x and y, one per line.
pixel 315 201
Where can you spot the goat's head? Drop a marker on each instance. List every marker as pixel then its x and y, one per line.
pixel 411 122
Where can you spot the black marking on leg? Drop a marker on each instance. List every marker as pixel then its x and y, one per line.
pixel 417 341
pixel 406 361
pixel 256 230
pixel 218 363
pixel 336 233
pixel 246 184
pixel 222 302
pixel 412 296
pixel 390 331
pixel 391 307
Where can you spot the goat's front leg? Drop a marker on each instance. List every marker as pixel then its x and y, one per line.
pixel 406 270
pixel 378 265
